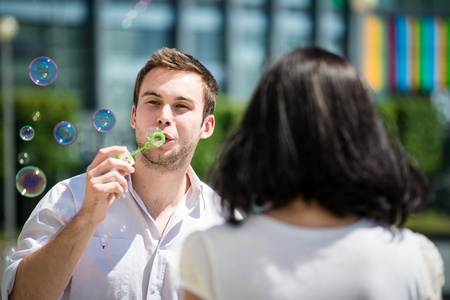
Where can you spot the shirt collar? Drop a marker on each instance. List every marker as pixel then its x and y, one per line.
pixel 194 196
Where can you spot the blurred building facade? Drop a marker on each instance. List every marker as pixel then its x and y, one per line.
pixel 100 45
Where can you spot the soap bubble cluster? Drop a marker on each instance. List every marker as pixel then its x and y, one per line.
pixel 132 14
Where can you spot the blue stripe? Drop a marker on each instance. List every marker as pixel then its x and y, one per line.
pixel 402 54
pixel 429 54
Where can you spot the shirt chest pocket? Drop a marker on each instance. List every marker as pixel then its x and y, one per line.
pixel 103 271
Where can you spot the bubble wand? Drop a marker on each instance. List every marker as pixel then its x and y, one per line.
pixel 157 139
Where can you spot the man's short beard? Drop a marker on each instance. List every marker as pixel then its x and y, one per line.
pixel 171 163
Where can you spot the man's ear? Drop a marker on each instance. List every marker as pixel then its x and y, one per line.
pixel 208 127
pixel 133 117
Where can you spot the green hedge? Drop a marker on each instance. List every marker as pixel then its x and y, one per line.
pixel 54 106
pixel 227 115
pixel 414 121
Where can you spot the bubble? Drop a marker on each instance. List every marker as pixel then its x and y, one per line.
pixel 126 23
pixel 104 120
pixel 141 6
pixel 31 181
pixel 132 14
pixel 43 70
pixel 65 209
pixel 65 133
pixel 155 136
pixel 36 116
pixel 27 133
pixel 9 253
pixel 23 158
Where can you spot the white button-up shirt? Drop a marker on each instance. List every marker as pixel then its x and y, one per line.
pixel 127 258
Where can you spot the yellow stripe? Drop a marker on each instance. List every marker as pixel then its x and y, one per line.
pixel 373 52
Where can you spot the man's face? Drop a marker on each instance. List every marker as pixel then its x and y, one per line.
pixel 172 101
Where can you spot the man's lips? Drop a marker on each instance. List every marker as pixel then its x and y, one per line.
pixel 168 138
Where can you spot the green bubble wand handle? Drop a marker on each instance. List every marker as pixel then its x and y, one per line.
pixel 156 138
pixel 147 145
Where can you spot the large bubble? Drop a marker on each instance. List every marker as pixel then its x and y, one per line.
pixel 65 133
pixel 31 181
pixel 104 120
pixel 27 133
pixel 155 137
pixel 43 70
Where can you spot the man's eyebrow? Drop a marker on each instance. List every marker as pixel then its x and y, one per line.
pixel 185 99
pixel 150 93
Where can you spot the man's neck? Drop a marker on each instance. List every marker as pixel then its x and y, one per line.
pixel 160 190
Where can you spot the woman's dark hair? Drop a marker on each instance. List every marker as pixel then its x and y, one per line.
pixel 312 131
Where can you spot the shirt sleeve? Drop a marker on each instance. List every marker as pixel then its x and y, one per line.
pixel 195 267
pixel 433 277
pixel 51 213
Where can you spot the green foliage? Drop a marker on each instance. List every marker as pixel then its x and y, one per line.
pixel 54 106
pixel 227 115
pixel 430 222
pixel 414 121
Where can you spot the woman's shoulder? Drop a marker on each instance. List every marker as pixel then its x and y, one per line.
pixel 433 274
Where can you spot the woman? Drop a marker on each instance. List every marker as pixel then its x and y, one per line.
pixel 324 193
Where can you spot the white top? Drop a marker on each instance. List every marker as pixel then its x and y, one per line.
pixel 267 259
pixel 126 258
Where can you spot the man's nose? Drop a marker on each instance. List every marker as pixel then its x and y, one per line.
pixel 165 117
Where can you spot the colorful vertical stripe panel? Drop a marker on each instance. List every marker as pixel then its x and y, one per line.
pixel 374 52
pixel 406 54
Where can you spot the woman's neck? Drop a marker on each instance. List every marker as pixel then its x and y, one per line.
pixel 309 214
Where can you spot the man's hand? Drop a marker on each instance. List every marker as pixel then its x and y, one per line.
pixel 105 182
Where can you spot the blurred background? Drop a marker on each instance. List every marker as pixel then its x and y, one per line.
pixel 401 47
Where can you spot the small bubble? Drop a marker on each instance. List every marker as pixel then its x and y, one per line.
pixel 31 181
pixel 27 133
pixel 132 14
pixel 23 158
pixel 104 120
pixel 43 70
pixel 65 209
pixel 65 133
pixel 141 6
pixel 36 116
pixel 126 23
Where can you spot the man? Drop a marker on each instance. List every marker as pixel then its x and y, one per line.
pixel 116 231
